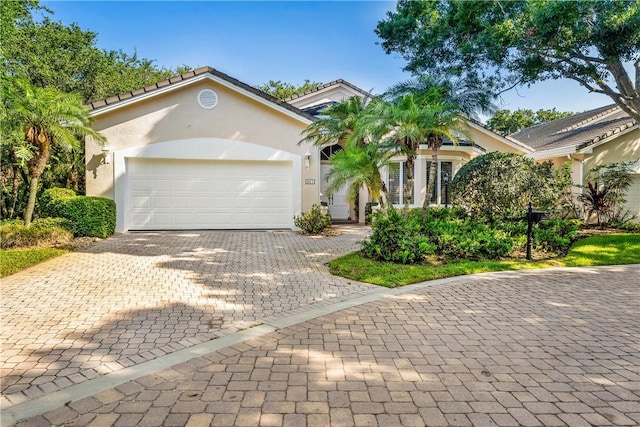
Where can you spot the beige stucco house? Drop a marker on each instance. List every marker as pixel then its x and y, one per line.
pixel 205 151
pixel 597 137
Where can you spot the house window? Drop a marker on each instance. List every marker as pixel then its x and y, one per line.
pixel 397 180
pixel 444 174
pixel 329 151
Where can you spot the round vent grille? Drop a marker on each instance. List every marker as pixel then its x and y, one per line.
pixel 207 99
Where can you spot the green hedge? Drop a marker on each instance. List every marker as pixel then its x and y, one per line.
pixel 90 216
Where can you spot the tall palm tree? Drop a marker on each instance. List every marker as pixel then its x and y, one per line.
pixel 46 117
pixel 458 101
pixel 404 123
pixel 360 161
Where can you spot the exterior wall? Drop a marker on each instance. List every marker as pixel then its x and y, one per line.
pixel 623 148
pixel 176 116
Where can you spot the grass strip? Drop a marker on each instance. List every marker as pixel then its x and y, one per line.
pixel 14 260
pixel 607 249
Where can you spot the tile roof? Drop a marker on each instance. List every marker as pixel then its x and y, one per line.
pixel 580 130
pixel 190 75
pixel 326 85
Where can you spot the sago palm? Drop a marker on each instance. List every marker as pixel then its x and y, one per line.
pixel 46 117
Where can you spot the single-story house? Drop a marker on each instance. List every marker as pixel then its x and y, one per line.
pixel 203 150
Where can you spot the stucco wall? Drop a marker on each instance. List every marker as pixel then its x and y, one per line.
pixel 176 115
pixel 622 148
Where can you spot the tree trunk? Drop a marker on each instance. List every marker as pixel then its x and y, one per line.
pixel 36 166
pixel 408 186
pixel 433 169
pixel 31 203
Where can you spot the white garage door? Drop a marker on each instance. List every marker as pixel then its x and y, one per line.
pixel 203 194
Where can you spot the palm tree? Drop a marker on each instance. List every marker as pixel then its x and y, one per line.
pixel 337 122
pixel 360 161
pixel 46 117
pixel 457 100
pixel 404 123
pixel 357 165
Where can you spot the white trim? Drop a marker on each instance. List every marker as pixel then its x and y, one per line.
pixel 173 86
pixel 588 149
pixel 200 149
pixel 556 152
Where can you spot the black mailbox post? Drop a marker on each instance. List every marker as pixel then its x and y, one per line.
pixel 533 217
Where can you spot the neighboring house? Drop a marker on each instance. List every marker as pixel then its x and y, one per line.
pixel 205 151
pixel 597 137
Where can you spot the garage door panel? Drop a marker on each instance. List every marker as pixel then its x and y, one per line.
pixel 186 194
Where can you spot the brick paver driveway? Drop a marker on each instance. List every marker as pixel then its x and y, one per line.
pixel 544 348
pixel 137 296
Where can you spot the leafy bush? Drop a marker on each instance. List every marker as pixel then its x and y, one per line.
pixel 89 216
pixel 312 221
pixel 605 193
pixel 467 239
pixel 500 185
pixel 627 225
pixel 397 238
pixel 555 235
pixel 53 200
pixel 47 232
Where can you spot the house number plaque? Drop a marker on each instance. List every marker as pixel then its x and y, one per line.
pixel 310 181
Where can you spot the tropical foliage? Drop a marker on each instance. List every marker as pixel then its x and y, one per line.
pixel 34 120
pixel 605 193
pixel 501 45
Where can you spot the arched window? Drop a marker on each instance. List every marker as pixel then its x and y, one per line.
pixel 329 151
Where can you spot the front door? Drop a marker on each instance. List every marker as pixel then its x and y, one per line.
pixel 338 201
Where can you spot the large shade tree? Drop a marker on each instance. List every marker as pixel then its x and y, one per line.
pixel 34 120
pixel 504 44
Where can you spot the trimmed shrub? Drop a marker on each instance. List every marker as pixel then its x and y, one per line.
pixel 396 238
pixel 499 186
pixel 47 232
pixel 53 200
pixel 89 216
pixel 312 221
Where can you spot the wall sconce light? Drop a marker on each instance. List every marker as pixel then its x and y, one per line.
pixel 106 155
pixel 307 159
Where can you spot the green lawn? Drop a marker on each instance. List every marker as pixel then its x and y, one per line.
pixel 14 260
pixel 608 249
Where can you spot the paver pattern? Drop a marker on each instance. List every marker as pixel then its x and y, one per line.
pixel 137 296
pixel 545 348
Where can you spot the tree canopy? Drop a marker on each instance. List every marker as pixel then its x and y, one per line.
pixel 503 44
pixel 506 122
pixel 51 54
pixel 283 90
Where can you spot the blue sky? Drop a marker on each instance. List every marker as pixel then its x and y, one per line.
pixel 267 40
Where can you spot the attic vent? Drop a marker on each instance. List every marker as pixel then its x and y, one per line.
pixel 207 99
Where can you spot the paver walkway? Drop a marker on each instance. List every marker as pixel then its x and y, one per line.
pixel 137 296
pixel 544 348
